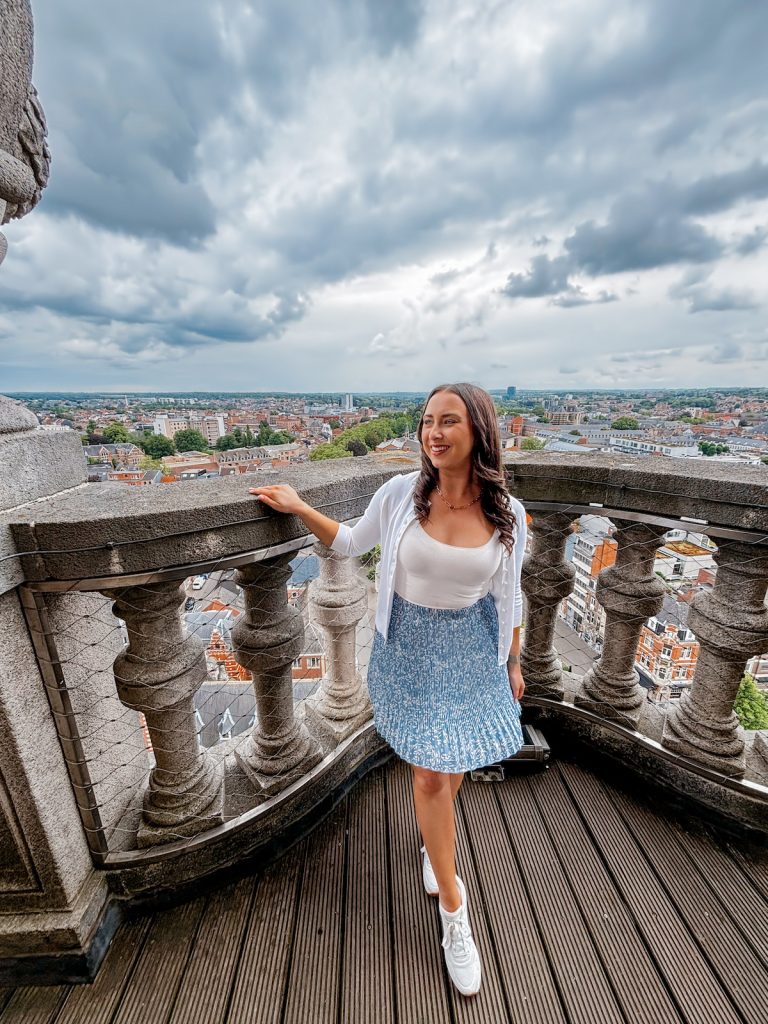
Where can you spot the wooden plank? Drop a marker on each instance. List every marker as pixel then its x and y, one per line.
pixel 739 969
pixel 34 1004
pixel 95 1003
pixel 525 970
pixel 5 996
pixel 688 974
pixel 584 987
pixel 209 976
pixel 490 1003
pixel 313 991
pixel 420 976
pixel 732 882
pixel 641 991
pixel 753 860
pixel 366 979
pixel 260 981
pixel 162 961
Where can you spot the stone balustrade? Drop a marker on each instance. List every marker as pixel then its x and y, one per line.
pixel 198 811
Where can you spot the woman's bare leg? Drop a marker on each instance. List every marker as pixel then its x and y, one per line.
pixel 456 780
pixel 433 794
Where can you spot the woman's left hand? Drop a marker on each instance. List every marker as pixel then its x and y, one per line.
pixel 516 681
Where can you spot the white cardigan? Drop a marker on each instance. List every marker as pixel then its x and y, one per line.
pixel 388 514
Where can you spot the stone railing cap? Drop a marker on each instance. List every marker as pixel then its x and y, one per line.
pixel 15 417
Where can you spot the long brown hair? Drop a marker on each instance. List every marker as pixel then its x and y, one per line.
pixel 486 461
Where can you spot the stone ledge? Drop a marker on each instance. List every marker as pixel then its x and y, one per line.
pixel 214 519
pixel 723 495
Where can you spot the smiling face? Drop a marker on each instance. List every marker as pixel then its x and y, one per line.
pixel 446 431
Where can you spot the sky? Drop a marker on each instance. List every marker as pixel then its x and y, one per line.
pixel 365 195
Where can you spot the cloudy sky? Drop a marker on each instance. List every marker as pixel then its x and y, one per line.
pixel 386 194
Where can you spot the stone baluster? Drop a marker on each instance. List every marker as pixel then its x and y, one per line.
pixel 547 578
pixel 341 703
pixel 630 592
pixel 158 674
pixel 266 640
pixel 731 625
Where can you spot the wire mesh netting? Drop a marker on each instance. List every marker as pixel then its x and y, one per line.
pixel 187 697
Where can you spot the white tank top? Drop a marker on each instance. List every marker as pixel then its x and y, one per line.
pixel 439 575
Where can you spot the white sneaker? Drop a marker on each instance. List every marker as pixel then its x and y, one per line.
pixel 461 956
pixel 430 882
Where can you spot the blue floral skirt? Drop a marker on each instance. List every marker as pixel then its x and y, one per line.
pixel 440 698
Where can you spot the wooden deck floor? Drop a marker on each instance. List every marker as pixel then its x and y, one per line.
pixel 588 907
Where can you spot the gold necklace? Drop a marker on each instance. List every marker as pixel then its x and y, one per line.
pixel 457 508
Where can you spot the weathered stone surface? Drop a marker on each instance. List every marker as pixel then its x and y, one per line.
pixel 14 416
pixel 266 640
pixel 33 465
pixel 547 578
pixel 341 704
pixel 722 494
pixel 24 156
pixel 155 527
pixel 158 675
pixel 35 776
pixel 731 625
pixel 631 593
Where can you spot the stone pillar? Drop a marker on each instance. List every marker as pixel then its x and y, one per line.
pixel 630 593
pixel 731 625
pixel 267 639
pixel 158 674
pixel 547 578
pixel 52 900
pixel 339 601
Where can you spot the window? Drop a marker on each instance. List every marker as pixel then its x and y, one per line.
pixel 663 673
pixel 666 650
pixel 648 641
pixel 313 662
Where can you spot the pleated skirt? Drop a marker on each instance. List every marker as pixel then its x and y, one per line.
pixel 439 697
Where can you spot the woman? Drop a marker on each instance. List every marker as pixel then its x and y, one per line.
pixel 444 674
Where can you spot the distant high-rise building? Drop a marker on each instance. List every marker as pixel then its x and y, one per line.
pixel 511 392
pixel 349 405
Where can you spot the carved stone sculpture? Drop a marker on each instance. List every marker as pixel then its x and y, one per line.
pixel 24 155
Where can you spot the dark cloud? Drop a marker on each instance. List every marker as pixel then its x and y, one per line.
pixel 644 230
pixel 727 352
pixel 752 242
pixel 694 288
pixel 576 296
pixel 545 276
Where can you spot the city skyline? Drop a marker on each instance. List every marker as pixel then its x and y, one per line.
pixel 574 195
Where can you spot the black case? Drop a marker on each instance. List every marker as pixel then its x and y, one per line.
pixel 532 756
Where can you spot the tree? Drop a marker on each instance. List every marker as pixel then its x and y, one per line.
pixel 751 706
pixel 334 424
pixel 531 444
pixel 712 448
pixel 157 446
pixel 190 441
pixel 357 447
pixel 116 433
pixel 328 451
pixel 370 559
pixel 625 423
pixel 145 462
pixel 225 443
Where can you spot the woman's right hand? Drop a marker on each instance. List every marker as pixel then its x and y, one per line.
pixel 280 497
